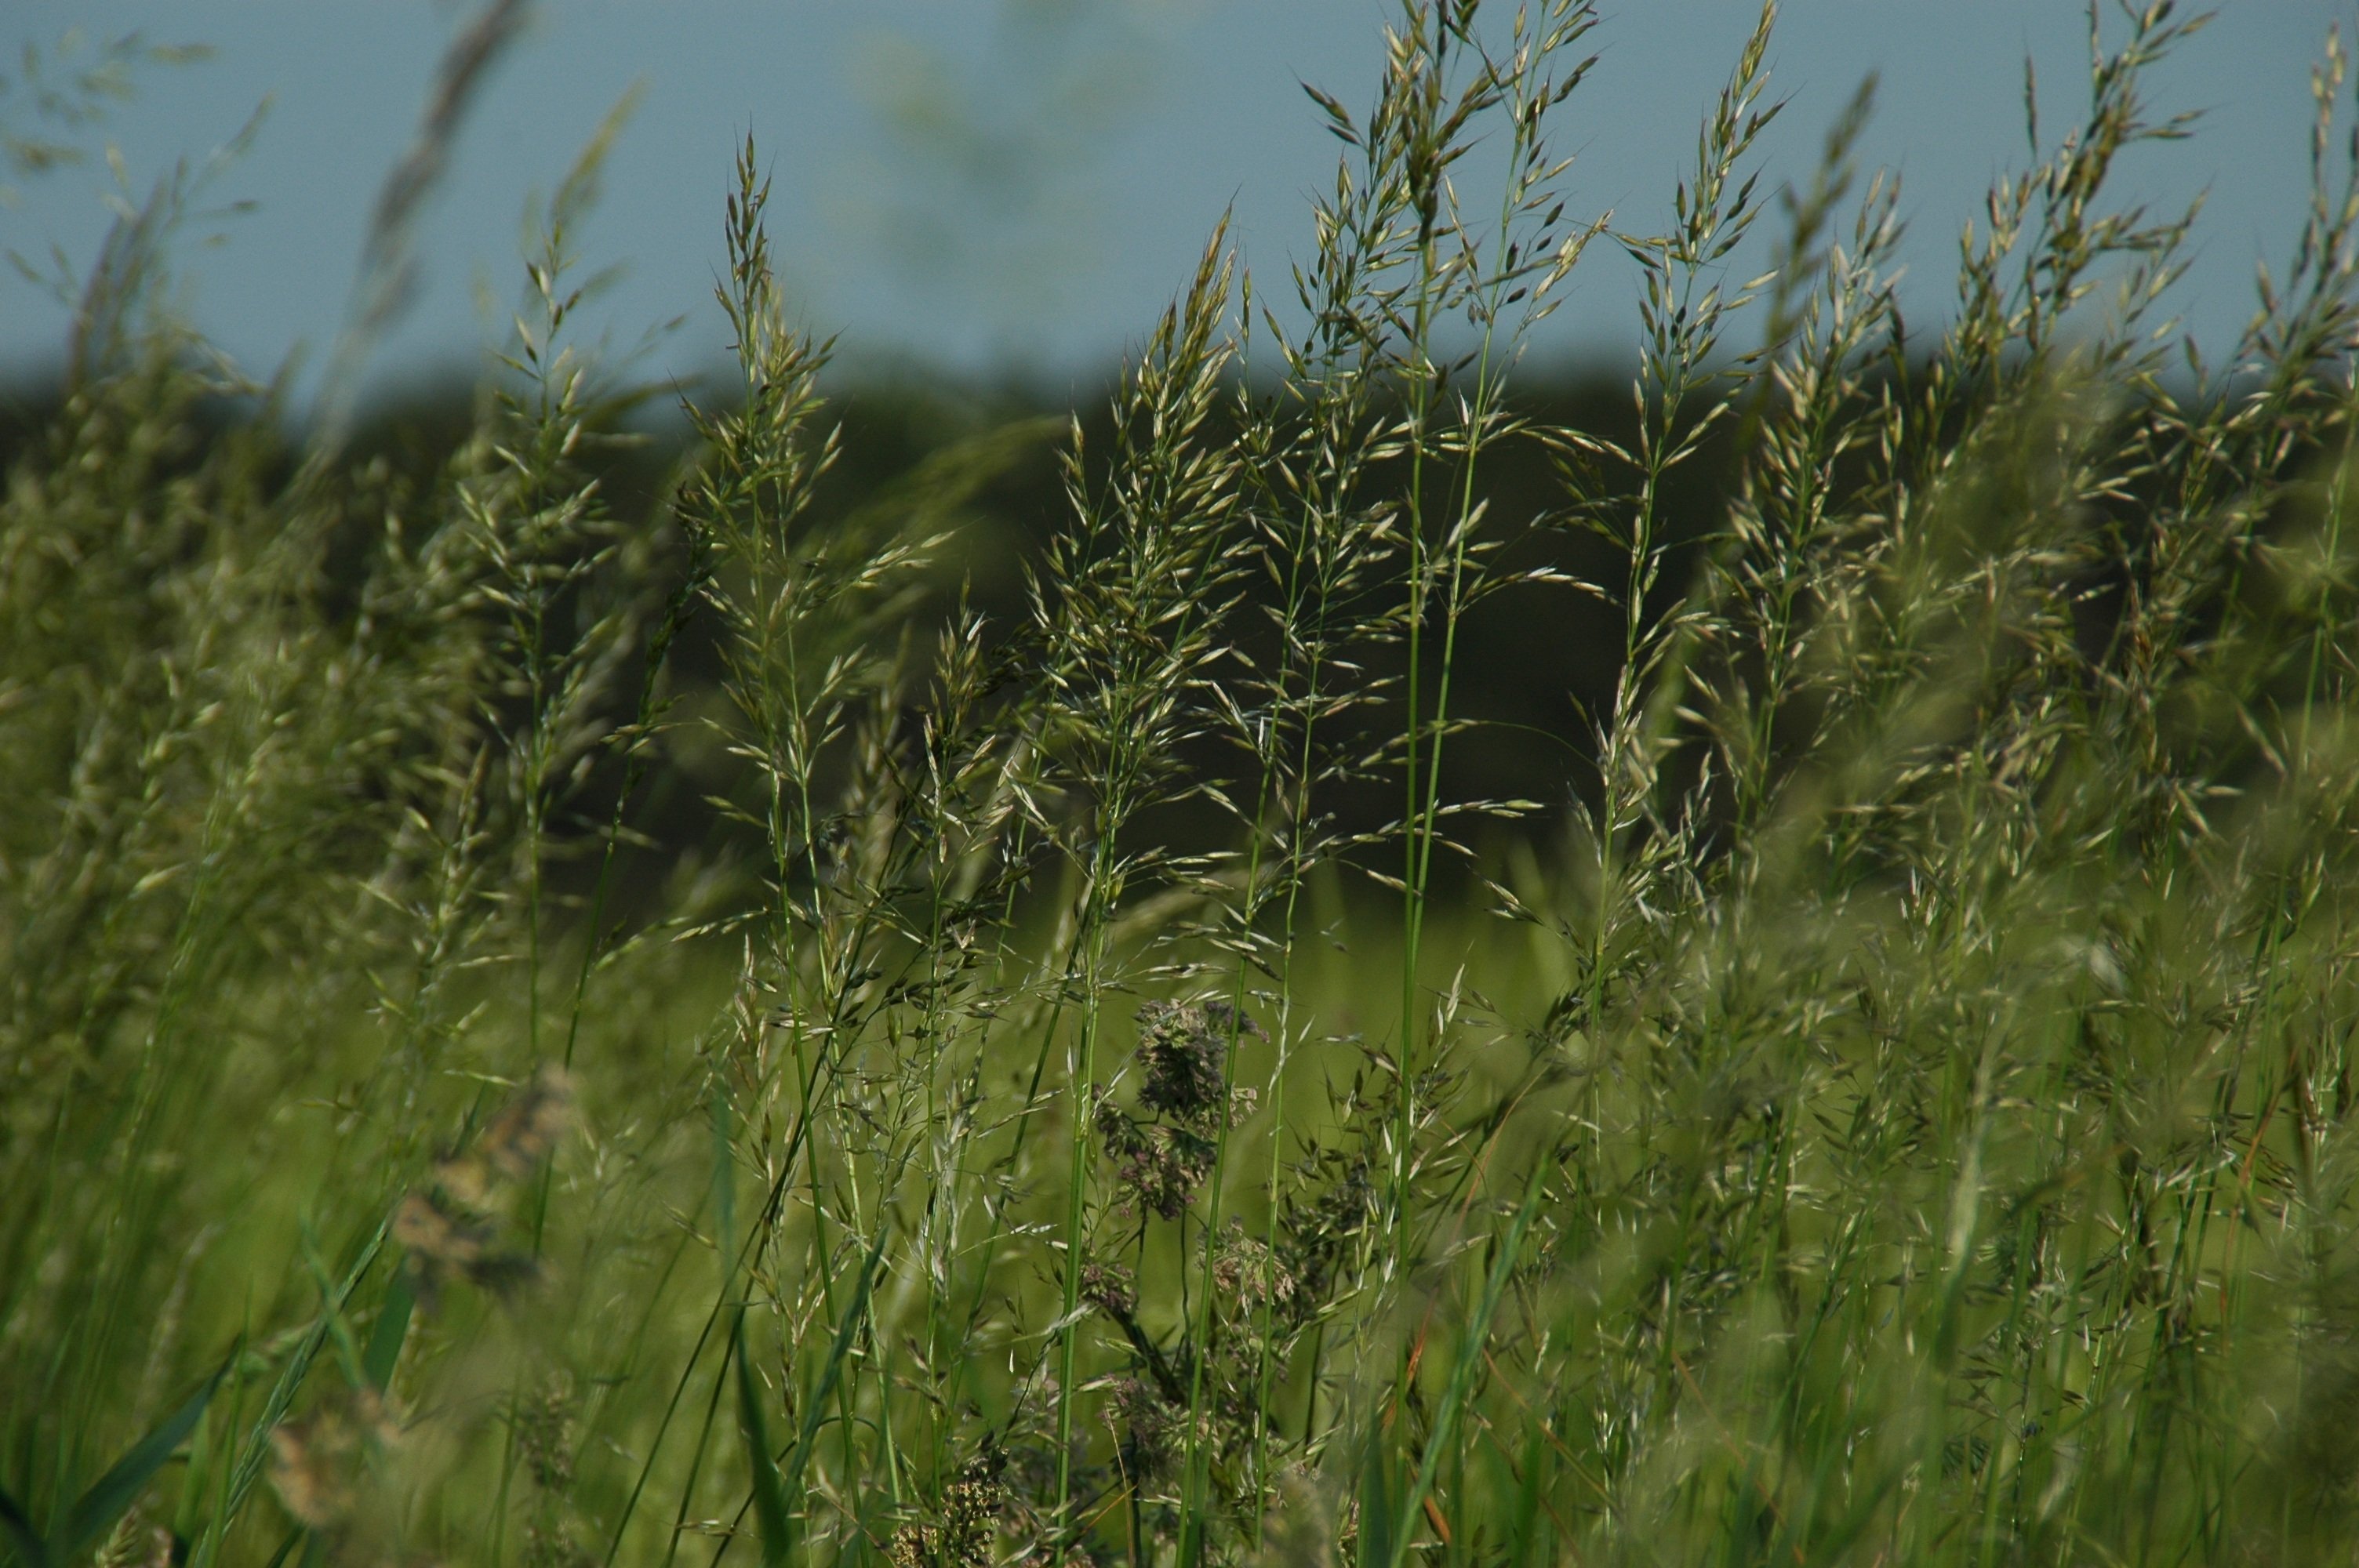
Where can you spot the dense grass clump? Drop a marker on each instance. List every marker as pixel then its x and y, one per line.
pixel 1889 1104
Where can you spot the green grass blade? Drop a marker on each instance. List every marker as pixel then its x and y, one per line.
pixel 1375 1501
pixel 295 1538
pixel 1461 1375
pixel 95 1513
pixel 770 1488
pixel 845 1329
pixel 30 1547
pixel 1527 1498
pixel 392 1328
pixel 252 1454
pixel 773 1489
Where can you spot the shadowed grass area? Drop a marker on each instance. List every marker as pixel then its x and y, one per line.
pixel 571 1006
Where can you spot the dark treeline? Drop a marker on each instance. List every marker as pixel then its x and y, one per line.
pixel 983 465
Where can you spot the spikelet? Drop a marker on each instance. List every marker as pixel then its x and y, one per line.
pixel 514 1143
pixel 450 1230
pixel 316 1464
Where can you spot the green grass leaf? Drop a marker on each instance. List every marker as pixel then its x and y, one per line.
pixel 845 1330
pixel 1463 1374
pixel 295 1538
pixel 384 1340
pixel 1375 1500
pixel 96 1511
pixel 252 1454
pixel 769 1487
pixel 30 1547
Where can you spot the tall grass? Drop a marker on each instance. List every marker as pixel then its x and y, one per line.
pixel 1890 1106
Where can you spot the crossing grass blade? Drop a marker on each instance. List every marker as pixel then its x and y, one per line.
pixel 388 1333
pixel 247 1469
pixel 770 1510
pixel 30 1549
pixel 111 1496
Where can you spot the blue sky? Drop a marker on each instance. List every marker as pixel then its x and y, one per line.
pixel 1020 184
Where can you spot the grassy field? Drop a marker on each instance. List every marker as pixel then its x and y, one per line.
pixel 546 1031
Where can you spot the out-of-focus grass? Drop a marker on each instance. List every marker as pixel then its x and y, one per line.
pixel 1886 1105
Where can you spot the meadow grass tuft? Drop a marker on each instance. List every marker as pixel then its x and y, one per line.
pixel 1889 1106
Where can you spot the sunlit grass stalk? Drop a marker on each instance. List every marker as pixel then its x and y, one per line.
pixel 1123 678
